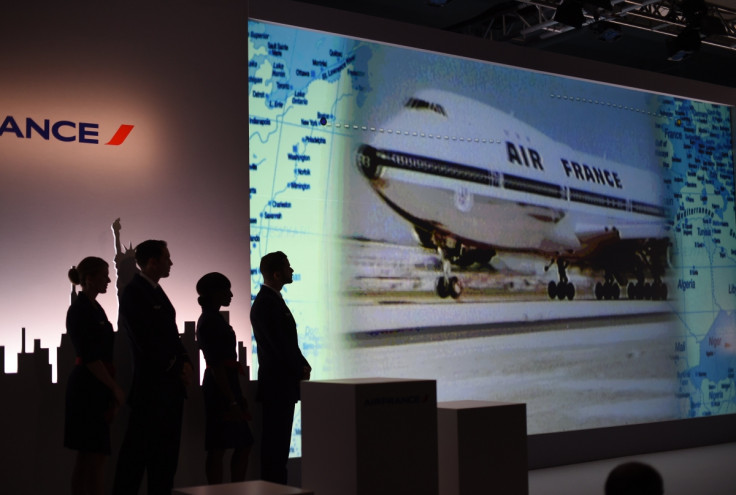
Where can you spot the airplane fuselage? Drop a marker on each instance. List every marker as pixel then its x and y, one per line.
pixel 463 168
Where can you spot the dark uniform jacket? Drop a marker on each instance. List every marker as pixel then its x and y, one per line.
pixel 149 319
pixel 280 361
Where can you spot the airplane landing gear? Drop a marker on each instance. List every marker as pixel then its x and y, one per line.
pixel 609 289
pixel 652 258
pixel 448 287
pixel 561 290
pixel 659 290
pixel 447 284
pixel 643 290
pixel 564 288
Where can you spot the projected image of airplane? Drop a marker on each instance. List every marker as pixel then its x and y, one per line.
pixel 478 185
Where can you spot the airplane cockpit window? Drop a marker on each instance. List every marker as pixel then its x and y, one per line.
pixel 419 104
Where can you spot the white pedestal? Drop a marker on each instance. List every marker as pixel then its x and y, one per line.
pixel 482 448
pixel 246 487
pixel 370 436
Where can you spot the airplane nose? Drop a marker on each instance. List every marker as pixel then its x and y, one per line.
pixel 367 161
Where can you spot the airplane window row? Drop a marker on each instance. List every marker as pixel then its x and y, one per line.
pixel 514 183
pixel 597 199
pixel 532 186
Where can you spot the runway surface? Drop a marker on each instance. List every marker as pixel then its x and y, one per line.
pixel 586 373
pixel 577 364
pixel 377 316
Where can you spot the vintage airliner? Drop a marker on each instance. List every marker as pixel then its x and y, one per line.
pixel 475 182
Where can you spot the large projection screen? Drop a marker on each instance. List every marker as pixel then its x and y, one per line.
pixel 526 234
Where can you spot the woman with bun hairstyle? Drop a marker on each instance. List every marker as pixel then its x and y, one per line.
pixel 92 395
pixel 226 409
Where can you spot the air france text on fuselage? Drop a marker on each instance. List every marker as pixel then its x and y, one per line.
pixel 531 158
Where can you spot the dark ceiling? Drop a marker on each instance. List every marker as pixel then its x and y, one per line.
pixel 643 29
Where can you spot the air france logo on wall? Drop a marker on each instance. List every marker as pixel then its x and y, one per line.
pixel 65 131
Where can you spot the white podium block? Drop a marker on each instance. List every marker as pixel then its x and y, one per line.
pixel 257 487
pixel 370 436
pixel 482 448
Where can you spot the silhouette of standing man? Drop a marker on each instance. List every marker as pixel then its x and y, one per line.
pixel 281 365
pixel 161 372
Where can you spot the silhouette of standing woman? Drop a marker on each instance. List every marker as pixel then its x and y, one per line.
pixel 92 395
pixel 226 409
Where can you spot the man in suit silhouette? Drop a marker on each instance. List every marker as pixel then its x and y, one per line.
pixel 162 371
pixel 281 365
